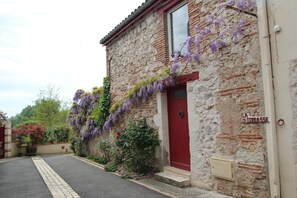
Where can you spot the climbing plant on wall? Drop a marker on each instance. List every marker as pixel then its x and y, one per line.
pixel 80 118
pixel 101 112
pixel 213 34
pixel 90 112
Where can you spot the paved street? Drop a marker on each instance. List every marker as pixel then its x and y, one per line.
pixel 20 178
pixel 64 176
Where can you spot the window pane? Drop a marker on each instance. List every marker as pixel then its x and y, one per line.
pixel 180 93
pixel 179 27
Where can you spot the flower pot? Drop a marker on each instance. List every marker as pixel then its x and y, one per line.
pixel 31 150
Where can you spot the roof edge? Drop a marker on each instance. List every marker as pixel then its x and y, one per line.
pixel 140 11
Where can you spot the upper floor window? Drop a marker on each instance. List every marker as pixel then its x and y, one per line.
pixel 178 21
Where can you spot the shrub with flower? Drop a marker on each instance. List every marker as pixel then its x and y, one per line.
pixel 118 133
pixel 29 133
pixel 137 144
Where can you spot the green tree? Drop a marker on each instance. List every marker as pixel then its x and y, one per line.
pixel 49 109
pixel 25 116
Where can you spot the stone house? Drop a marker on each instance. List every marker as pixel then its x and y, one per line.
pixel 219 125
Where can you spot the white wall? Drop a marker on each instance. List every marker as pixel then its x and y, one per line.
pixel 284 65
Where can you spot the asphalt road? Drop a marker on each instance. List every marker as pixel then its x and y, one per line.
pixel 20 178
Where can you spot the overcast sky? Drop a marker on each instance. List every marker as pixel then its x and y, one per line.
pixel 53 42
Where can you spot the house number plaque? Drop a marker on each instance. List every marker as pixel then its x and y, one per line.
pixel 248 118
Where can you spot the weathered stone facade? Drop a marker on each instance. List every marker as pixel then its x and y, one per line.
pixel 229 85
pixel 133 57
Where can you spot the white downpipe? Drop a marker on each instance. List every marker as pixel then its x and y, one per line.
pixel 271 134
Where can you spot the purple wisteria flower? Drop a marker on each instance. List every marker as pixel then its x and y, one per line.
pixel 197 28
pixel 77 95
pixel 223 32
pixel 155 86
pixel 227 3
pixel 188 43
pixel 241 4
pixel 216 21
pixel 74 109
pixel 150 89
pixel 196 43
pixel 126 105
pixel 206 31
pixel 175 64
pixel 252 5
pixel 213 47
pixel 238 30
pixel 244 5
pixel 160 86
pixel 216 45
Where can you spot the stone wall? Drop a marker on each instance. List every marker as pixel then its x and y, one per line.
pixel 229 85
pixel 136 56
pixel 133 57
pixel 8 147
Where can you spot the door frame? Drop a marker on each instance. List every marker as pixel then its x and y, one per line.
pixel 171 90
pixel 162 123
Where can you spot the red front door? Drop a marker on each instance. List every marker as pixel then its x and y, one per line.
pixel 178 128
pixel 2 143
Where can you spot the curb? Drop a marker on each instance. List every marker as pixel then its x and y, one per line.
pixel 4 160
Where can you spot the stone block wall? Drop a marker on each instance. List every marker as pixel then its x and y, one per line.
pixel 133 57
pixel 137 55
pixel 230 85
pixel 9 149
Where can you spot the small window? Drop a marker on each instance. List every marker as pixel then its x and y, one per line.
pixel 180 93
pixel 178 21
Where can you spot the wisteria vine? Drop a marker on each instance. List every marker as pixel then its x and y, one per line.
pixel 80 118
pixel 199 42
pixel 142 94
pixel 212 34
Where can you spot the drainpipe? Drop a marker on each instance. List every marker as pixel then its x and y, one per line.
pixel 271 133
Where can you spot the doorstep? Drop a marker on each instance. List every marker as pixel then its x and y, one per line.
pixel 174 176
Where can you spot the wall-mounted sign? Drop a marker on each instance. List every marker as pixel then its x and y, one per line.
pixel 248 118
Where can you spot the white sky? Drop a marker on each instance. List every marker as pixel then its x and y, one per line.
pixel 53 42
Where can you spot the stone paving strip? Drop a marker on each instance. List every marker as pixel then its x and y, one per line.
pixel 56 185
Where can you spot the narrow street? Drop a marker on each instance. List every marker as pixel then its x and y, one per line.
pixel 63 176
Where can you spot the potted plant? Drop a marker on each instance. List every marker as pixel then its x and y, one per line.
pixel 29 134
pixel 31 149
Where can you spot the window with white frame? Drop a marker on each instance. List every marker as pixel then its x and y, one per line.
pixel 178 27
